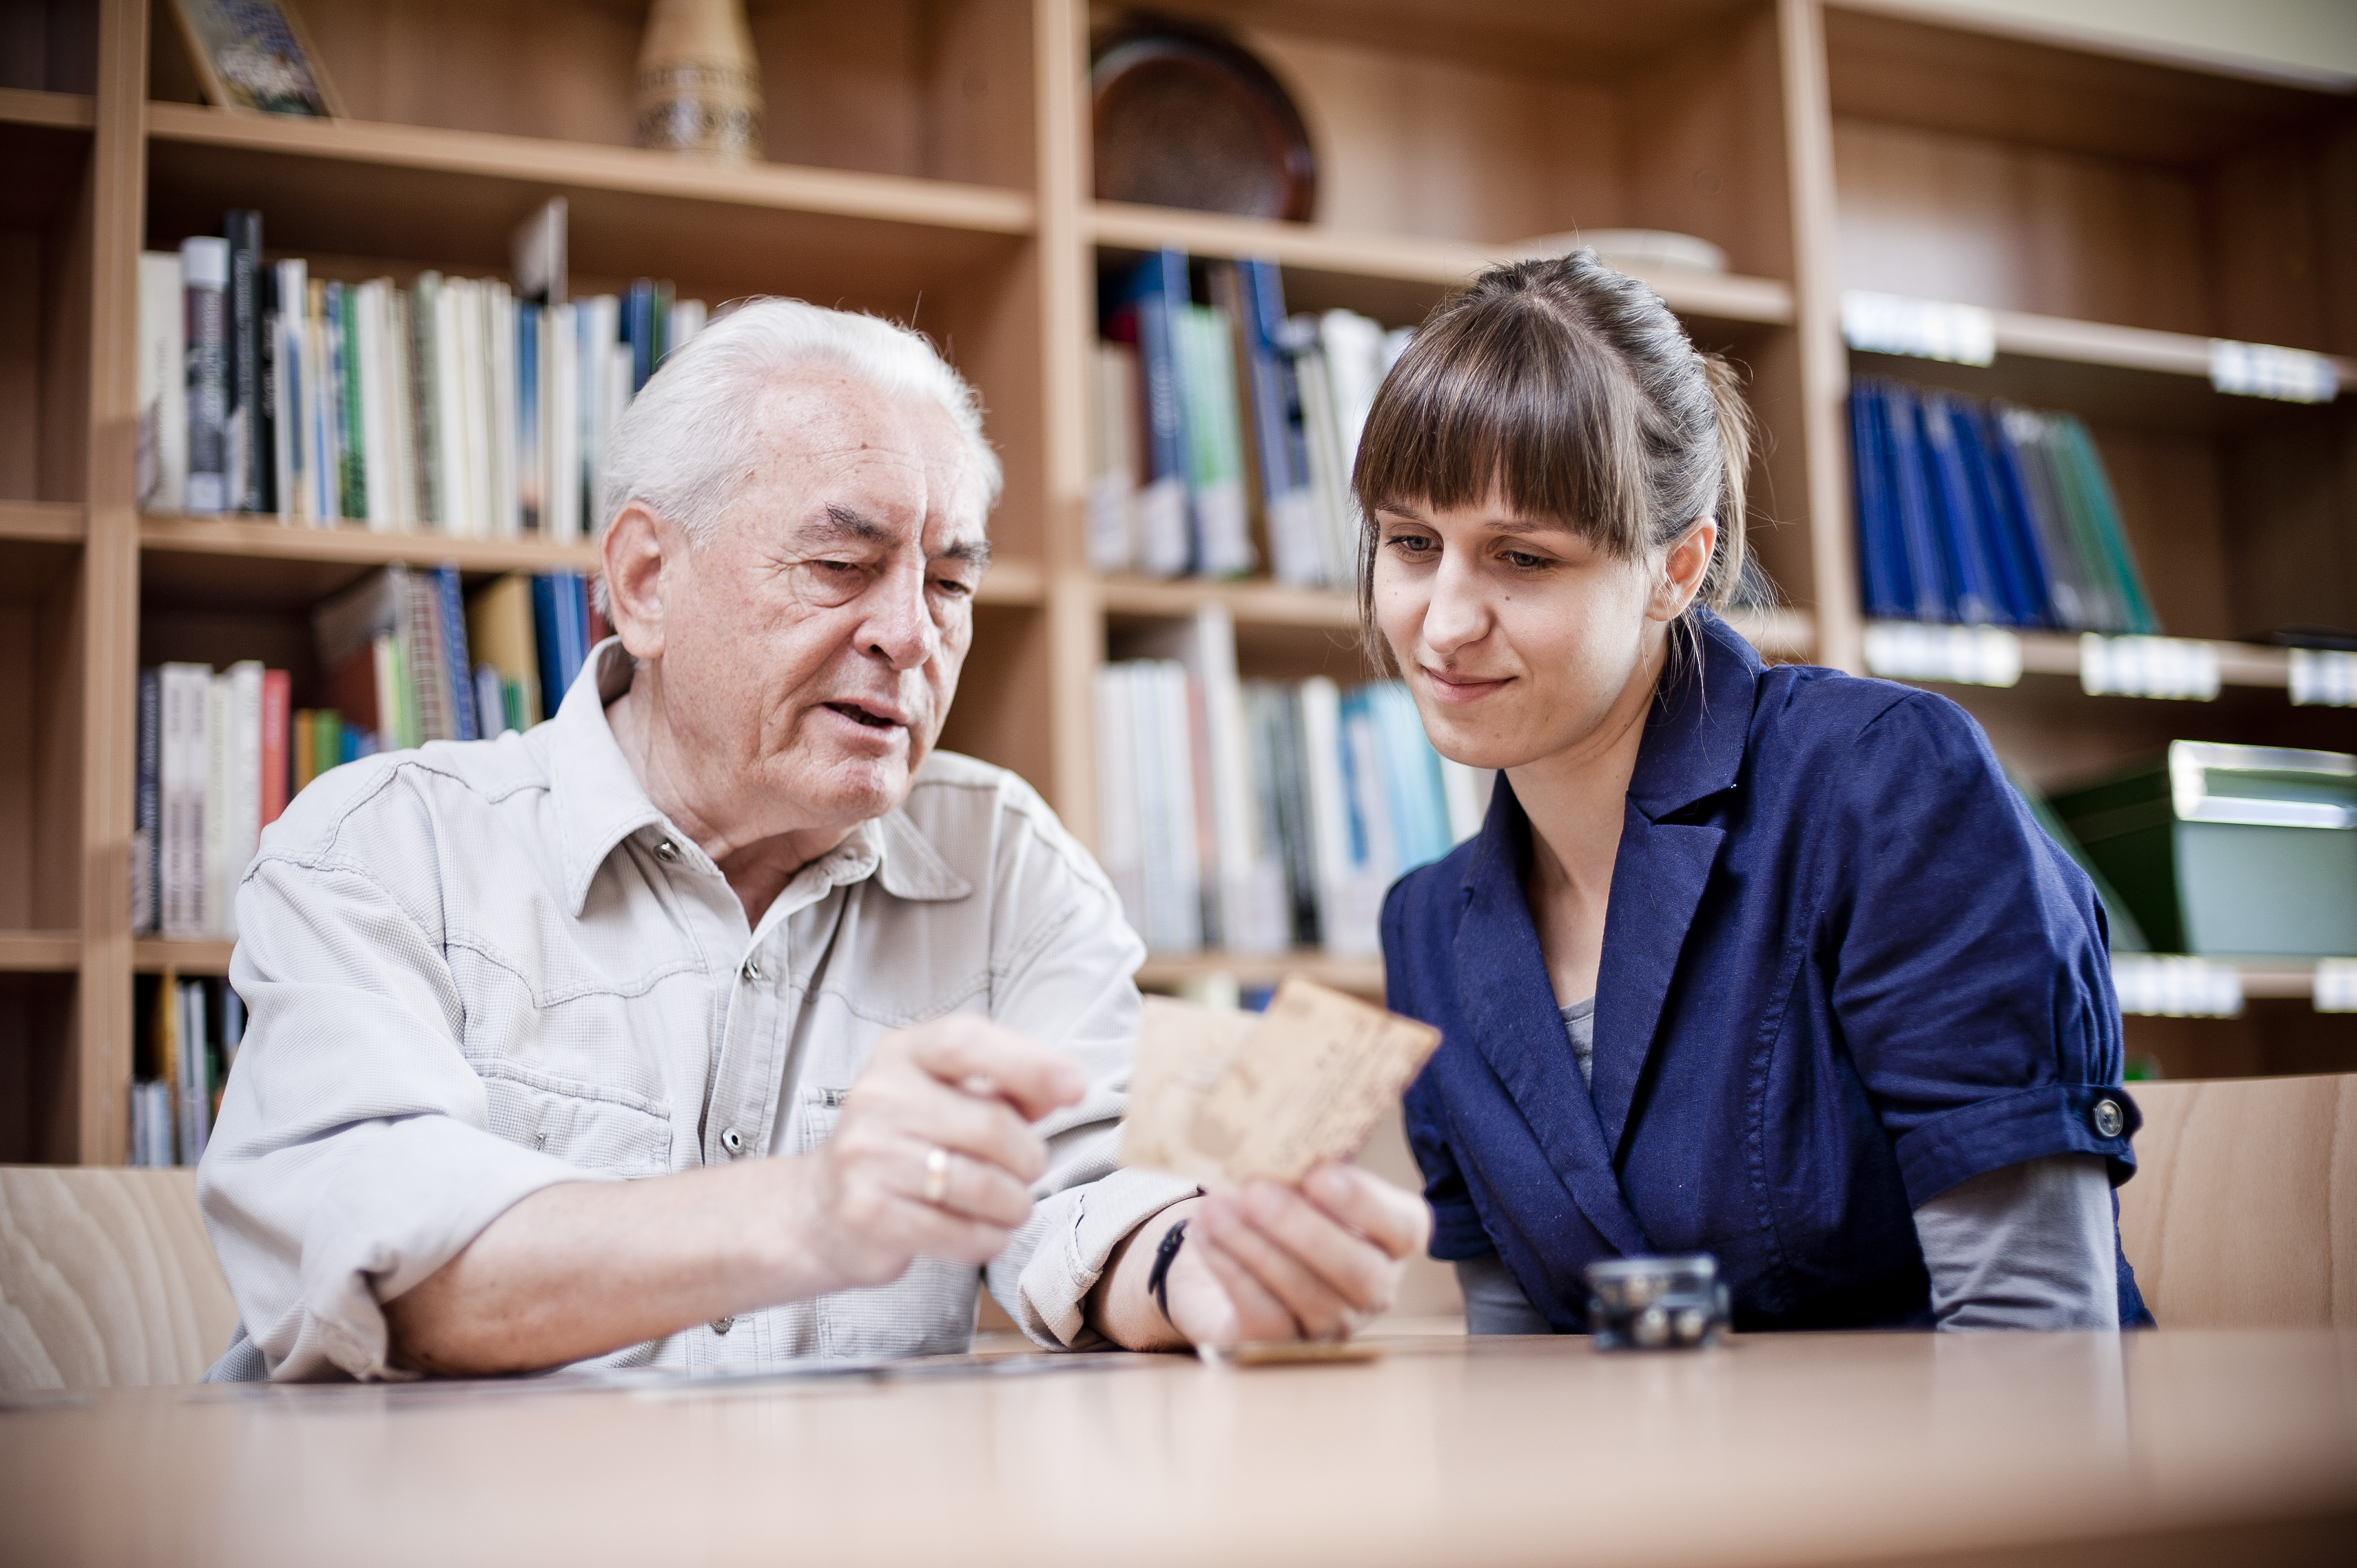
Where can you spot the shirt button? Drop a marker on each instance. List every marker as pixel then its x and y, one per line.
pixel 723 1325
pixel 667 851
pixel 2108 1118
pixel 732 1140
pixel 752 969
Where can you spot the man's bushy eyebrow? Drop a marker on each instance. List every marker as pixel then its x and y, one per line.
pixel 842 523
pixel 975 552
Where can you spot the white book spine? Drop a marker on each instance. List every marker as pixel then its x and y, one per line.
pixel 565 424
pixel 1120 844
pixel 217 800
pixel 450 304
pixel 400 401
pixel 376 445
pixel 1251 920
pixel 182 767
pixel 241 825
pixel 1183 918
pixel 163 385
pixel 291 288
pixel 196 1077
pixel 507 499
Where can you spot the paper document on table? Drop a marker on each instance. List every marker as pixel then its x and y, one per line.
pixel 1226 1097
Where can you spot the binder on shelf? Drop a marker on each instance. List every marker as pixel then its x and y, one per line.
pixel 1986 514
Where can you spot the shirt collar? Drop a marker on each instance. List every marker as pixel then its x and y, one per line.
pixel 599 802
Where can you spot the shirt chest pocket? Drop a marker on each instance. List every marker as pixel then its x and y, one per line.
pixel 611 1131
pixel 817 1109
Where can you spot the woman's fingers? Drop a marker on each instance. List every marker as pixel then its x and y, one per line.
pixel 1313 1300
pixel 1399 1222
pixel 1253 1312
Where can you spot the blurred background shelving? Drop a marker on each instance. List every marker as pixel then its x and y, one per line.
pixel 931 160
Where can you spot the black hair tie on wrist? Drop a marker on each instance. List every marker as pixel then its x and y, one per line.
pixel 1158 1280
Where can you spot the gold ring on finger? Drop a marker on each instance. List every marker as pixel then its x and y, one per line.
pixel 937 1174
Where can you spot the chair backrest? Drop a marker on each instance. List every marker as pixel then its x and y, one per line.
pixel 107 1278
pixel 2243 1212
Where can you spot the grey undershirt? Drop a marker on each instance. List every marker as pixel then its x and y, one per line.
pixel 2025 1246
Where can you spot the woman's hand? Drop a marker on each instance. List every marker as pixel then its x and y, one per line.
pixel 1269 1263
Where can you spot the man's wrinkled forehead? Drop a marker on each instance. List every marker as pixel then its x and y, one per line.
pixel 824 430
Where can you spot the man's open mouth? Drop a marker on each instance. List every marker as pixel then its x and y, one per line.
pixel 872 718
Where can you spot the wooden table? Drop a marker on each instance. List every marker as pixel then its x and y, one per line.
pixel 2176 1446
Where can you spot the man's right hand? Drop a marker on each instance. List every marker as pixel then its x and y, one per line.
pixel 934 1156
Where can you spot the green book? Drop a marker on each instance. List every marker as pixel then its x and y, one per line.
pixel 2090 490
pixel 353 488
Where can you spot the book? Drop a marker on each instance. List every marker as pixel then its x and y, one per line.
pixel 250 455
pixel 1115 472
pixel 501 631
pixel 183 768
pixel 162 387
pixel 204 282
pixel 276 717
pixel 287 388
pixel 147 805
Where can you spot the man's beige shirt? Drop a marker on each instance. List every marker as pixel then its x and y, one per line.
pixel 475 971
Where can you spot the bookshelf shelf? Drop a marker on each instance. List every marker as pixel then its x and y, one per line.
pixel 59 110
pixel 42 522
pixel 1360 976
pixel 1440 264
pixel 39 953
pixel 583 166
pixel 153 956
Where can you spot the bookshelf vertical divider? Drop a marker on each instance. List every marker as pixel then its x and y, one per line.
pixel 1440 144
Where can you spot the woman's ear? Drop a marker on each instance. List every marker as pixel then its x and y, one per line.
pixel 638 548
pixel 1684 568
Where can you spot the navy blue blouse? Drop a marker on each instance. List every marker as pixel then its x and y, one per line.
pixel 1843 971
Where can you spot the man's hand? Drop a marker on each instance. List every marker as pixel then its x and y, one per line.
pixel 1268 1263
pixel 583 1268
pixel 934 1156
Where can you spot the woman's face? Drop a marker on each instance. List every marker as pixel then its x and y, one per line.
pixel 1518 638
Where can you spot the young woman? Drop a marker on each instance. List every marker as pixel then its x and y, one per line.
pixel 1769 964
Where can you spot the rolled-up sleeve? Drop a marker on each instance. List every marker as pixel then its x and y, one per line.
pixel 352 1156
pixel 1972 984
pixel 1068 984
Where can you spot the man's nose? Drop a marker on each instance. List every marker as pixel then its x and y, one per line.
pixel 900 626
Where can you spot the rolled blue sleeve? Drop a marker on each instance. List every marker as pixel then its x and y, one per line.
pixel 1971 983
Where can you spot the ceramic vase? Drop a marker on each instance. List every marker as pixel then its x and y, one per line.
pixel 699 88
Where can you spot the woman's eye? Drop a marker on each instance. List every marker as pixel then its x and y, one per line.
pixel 1412 544
pixel 1524 561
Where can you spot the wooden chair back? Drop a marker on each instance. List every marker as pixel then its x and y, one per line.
pixel 107 1279
pixel 2242 1213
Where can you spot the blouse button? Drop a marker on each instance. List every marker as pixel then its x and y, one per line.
pixel 2108 1118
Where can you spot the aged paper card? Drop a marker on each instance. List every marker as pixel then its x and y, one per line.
pixel 1227 1098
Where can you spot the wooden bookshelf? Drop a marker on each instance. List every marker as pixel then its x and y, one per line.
pixel 931 162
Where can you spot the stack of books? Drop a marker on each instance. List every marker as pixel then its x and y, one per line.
pixel 1223 431
pixel 1980 513
pixel 449 405
pixel 187 1038
pixel 403 662
pixel 1258 816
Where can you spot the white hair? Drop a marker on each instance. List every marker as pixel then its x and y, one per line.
pixel 686 443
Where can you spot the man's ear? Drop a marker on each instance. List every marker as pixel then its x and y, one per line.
pixel 1684 569
pixel 639 549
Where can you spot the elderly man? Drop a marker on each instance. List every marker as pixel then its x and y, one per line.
pixel 720 1019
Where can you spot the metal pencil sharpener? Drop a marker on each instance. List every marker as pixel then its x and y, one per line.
pixel 1656 1304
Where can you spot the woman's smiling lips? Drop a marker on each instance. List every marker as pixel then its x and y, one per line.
pixel 1457 689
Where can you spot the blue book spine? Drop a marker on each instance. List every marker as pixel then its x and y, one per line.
pixel 2020 507
pixel 454 654
pixel 548 633
pixel 1962 536
pixel 639 330
pixel 2010 547
pixel 1878 570
pixel 1166 420
pixel 1910 487
pixel 1269 374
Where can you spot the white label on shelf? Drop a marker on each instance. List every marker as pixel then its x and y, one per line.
pixel 2174 667
pixel 2336 985
pixel 2324 676
pixel 2262 370
pixel 1971 655
pixel 2176 987
pixel 1925 328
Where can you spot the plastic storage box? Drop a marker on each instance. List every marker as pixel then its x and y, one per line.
pixel 2226 851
